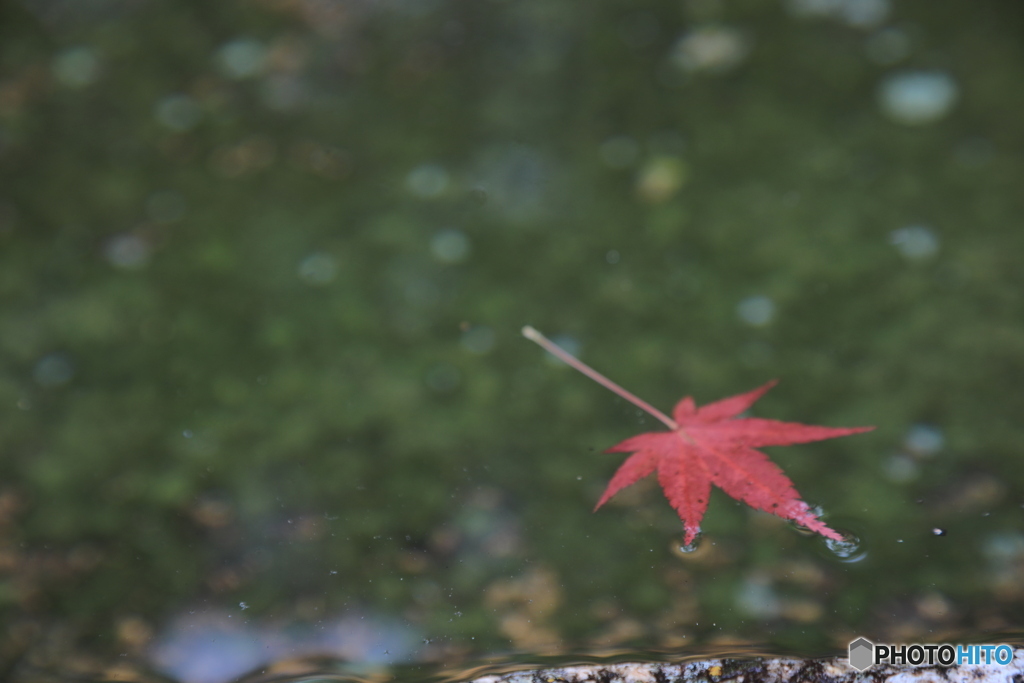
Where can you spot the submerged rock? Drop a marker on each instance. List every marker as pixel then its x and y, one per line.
pixel 836 670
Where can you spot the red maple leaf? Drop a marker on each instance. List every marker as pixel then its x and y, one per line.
pixel 711 445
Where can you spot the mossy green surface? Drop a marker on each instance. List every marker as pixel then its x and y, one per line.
pixel 233 428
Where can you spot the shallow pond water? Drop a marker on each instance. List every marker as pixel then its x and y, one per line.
pixel 264 266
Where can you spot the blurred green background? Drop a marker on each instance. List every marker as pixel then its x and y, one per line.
pixel 264 267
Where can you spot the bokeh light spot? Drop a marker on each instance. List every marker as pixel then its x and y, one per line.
pixel 450 246
pixel 178 112
pixel 427 181
pixel 924 440
pixel 242 58
pixel 128 251
pixel 53 370
pixel 661 178
pixel 756 311
pixel 915 242
pixel 76 67
pixel 916 97
pixel 715 49
pixel 318 269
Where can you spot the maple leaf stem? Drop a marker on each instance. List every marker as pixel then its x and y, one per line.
pixel 567 358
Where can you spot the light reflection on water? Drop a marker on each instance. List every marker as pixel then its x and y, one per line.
pixel 218 646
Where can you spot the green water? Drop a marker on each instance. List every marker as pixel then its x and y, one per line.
pixel 265 263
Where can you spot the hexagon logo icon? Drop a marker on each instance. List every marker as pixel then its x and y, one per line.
pixel 862 654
